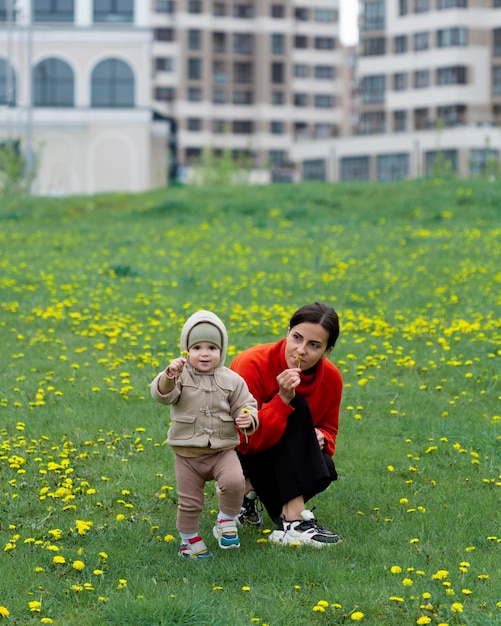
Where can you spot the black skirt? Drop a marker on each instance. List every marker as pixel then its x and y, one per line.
pixel 295 466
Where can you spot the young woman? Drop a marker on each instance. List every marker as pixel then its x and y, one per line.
pixel 288 460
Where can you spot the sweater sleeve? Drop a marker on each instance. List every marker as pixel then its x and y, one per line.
pixel 272 412
pixel 329 422
pixel 168 398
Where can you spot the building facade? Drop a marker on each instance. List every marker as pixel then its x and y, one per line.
pixel 75 95
pixel 429 86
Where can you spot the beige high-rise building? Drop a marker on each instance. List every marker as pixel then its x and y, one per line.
pixel 429 93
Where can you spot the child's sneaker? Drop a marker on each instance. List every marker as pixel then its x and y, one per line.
pixel 195 549
pixel 226 533
pixel 249 513
pixel 304 531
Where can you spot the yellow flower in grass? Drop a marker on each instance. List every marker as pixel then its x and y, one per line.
pixel 323 603
pixel 457 607
pixel 396 569
pixel 246 588
pixel 319 609
pixel 47 620
pixel 357 616
pixel 35 606
pixel 423 620
pixel 78 565
pixel 59 560
pixel 4 611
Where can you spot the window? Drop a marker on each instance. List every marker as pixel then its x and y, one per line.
pixel 392 166
pixel 7 84
pixel 325 72
pixel 483 160
pixel 194 124
pixel 421 119
pixel 372 122
pixel 323 101
pixel 219 42
pixel 277 73
pixel 324 15
pixel 219 127
pixel 449 37
pixel 53 10
pixel 245 11
pixel 243 43
pixel 400 44
pixel 374 15
pixel 497 4
pixel 300 41
pixel 403 7
pixel 165 94
pixel 373 46
pixel 164 64
pixel 373 89
pixel 194 94
pixel 163 34
pixel 277 157
pixel 219 72
pixel 219 9
pixel 325 43
pixel 165 6
pixel 218 96
pixel 323 130
pixel 117 11
pixel 195 6
pixel 301 130
pixel 355 168
pixel 400 81
pixel 301 99
pixel 496 80
pixel 192 155
pixel 243 72
pixel 441 158
pixel 112 85
pixel 301 70
pixel 454 75
pixel 314 169
pixel 194 39
pixel 277 43
pixel 496 33
pixel 277 11
pixel 399 121
pixel 453 4
pixel 421 6
pixel 277 128
pixel 301 14
pixel 421 79
pixel 243 97
pixel 54 84
pixel 242 127
pixel 277 98
pixel 452 115
pixel 421 41
pixel 194 69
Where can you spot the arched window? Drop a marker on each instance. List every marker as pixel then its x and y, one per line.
pixel 118 11
pixel 7 84
pixel 53 10
pixel 112 85
pixel 53 84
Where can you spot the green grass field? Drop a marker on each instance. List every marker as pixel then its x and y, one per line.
pixel 93 295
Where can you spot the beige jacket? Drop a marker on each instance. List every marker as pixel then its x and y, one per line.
pixel 204 405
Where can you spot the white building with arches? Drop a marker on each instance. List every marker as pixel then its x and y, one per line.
pixel 76 83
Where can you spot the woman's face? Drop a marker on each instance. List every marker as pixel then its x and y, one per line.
pixel 306 344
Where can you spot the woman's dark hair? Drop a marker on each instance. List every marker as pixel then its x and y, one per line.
pixel 318 313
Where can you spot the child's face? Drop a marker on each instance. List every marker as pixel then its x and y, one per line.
pixel 204 356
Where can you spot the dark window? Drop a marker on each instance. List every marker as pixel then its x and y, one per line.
pixel 372 123
pixel 277 11
pixel 243 96
pixel 194 69
pixel 165 94
pixel 219 9
pixel 219 72
pixel 373 46
pixel 325 72
pixel 374 15
pixel 54 84
pixel 435 159
pixel 301 99
pixel 449 37
pixel 243 43
pixel 53 10
pixel 242 127
pixel 421 79
pixel 242 73
pixel 323 101
pixel 164 64
pixel 277 157
pixel 194 6
pixel 163 34
pixel 483 160
pixel 219 42
pixel 355 168
pixel 245 11
pixel 325 43
pixel 7 84
pixel 194 124
pixel 277 73
pixel 400 81
pixel 392 166
pixel 194 39
pixel 218 96
pixel 421 119
pixel 112 85
pixel 194 94
pixel 277 43
pixel 421 6
pixel 421 41
pixel 277 128
pixel 324 15
pixel 496 80
pixel 400 44
pixel 452 115
pixel 300 41
pixel 399 121
pixel 219 126
pixel 301 70
pixel 192 155
pixel 373 89
pixel 454 75
pixel 403 7
pixel 324 130
pixel 301 13
pixel 455 4
pixel 117 11
pixel 277 98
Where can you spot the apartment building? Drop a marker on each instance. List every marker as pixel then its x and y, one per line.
pixel 249 76
pixel 75 95
pixel 429 75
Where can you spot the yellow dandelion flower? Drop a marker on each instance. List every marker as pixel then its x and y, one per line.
pixel 58 560
pixel 457 607
pixel 396 569
pixel 323 603
pixel 246 588
pixel 4 611
pixel 424 619
pixel 35 606
pixel 407 582
pixel 47 620
pixel 78 565
pixel 358 615
pixel 217 588
pixel 396 599
pixel 319 609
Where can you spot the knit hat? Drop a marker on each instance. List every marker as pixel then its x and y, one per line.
pixel 205 332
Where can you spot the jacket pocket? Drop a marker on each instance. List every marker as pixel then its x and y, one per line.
pixel 227 428
pixel 182 427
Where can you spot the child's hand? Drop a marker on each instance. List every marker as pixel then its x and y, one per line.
pixel 175 367
pixel 244 420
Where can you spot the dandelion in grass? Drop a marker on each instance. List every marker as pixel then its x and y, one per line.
pixel 47 620
pixel 35 606
pixel 4 611
pixel 424 619
pixel 357 616
pixel 318 609
pixel 457 607
pixel 168 538
pixel 396 599
pixel 78 565
pixel 217 588
pixel 323 603
pixel 122 583
pixel 246 588
pixel 59 560
pixel 98 572
pixel 396 569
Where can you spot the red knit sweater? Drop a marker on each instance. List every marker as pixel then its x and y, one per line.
pixel 322 388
